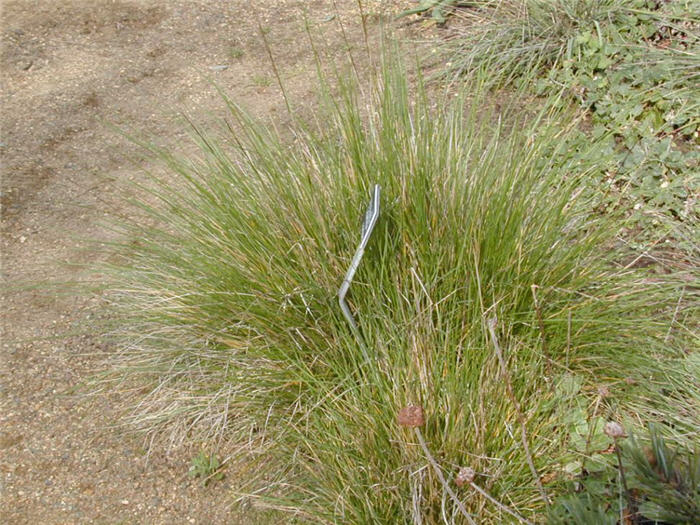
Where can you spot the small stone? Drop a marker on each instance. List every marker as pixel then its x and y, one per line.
pixel 411 416
pixel 614 430
pixel 465 476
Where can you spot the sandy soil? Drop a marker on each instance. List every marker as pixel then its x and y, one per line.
pixel 69 67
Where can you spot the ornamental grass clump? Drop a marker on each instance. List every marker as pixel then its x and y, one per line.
pixel 228 323
pixel 513 38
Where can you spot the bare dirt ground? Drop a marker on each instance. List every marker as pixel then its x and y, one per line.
pixel 68 67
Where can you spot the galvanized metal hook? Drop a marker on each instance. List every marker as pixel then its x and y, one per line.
pixel 371 216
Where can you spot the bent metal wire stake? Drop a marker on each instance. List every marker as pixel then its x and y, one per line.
pixel 371 216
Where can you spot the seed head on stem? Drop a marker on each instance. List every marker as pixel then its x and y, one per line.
pixel 616 431
pixel 413 416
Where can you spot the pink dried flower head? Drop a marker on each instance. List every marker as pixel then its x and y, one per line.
pixel 411 416
pixel 465 476
pixel 614 430
pixel 603 391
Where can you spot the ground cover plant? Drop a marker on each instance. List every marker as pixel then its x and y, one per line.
pixel 207 467
pixel 632 65
pixel 492 307
pixel 661 484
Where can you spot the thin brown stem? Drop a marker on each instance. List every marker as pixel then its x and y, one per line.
pixel 521 419
pixel 623 479
pixel 441 477
pixel 346 41
pixel 268 48
pixel 500 505
pixel 363 18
